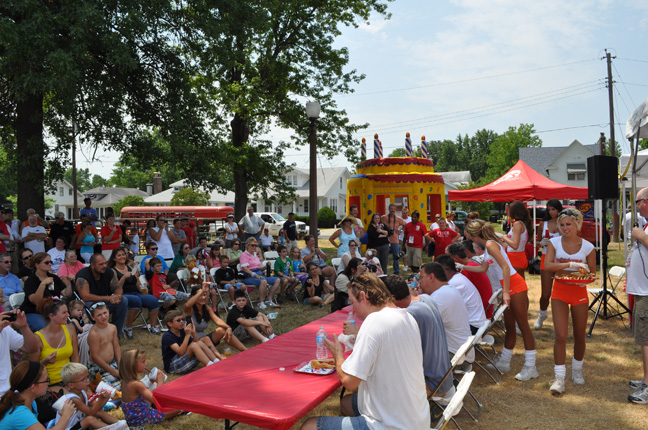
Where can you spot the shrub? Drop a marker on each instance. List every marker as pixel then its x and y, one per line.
pixel 325 217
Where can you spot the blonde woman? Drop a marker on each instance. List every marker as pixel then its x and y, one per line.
pixel 567 254
pixel 514 295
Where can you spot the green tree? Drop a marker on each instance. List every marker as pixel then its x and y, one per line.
pixel 114 68
pixel 97 181
pixel 259 61
pixel 190 197
pixel 400 152
pixel 132 172
pixel 83 179
pixel 128 201
pixel 505 150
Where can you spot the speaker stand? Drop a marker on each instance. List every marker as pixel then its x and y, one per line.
pixel 604 296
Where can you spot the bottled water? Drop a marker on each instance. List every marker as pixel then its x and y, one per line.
pixel 322 350
pixel 351 318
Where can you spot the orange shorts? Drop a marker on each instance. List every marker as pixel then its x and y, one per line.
pixel 542 262
pixel 517 284
pixel 519 260
pixel 569 293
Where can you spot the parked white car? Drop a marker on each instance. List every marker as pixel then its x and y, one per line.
pixel 274 222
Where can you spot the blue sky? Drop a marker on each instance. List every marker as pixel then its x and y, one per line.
pixel 443 68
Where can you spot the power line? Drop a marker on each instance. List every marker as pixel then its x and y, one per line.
pixel 632 59
pixel 469 79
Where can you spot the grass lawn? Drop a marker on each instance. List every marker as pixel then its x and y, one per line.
pixel 610 361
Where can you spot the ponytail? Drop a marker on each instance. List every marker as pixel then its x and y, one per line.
pixel 24 375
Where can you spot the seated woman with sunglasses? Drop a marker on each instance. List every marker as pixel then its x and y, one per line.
pixel 57 342
pixel 39 285
pixel 18 410
pixel 353 252
pixel 251 266
pixel 234 253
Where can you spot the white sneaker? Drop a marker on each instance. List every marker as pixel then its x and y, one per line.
pixel 577 377
pixel 271 303
pixel 262 305
pixel 527 373
pixel 557 386
pixel 503 366
pixel 539 322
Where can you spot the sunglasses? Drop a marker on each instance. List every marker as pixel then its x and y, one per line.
pixel 93 307
pixel 7 262
pixel 237 243
pixel 27 258
pixel 47 381
pixel 566 212
pixel 364 286
pixel 153 249
pixel 46 262
pixel 639 201
pixel 353 244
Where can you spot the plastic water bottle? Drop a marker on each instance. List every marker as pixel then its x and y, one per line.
pixel 351 318
pixel 322 351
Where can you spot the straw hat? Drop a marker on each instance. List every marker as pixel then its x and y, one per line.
pixel 349 218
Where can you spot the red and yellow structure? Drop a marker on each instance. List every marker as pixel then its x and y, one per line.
pixel 405 181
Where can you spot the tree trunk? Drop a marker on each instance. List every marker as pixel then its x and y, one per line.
pixel 31 155
pixel 240 135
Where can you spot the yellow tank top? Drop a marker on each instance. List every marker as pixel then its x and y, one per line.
pixel 63 355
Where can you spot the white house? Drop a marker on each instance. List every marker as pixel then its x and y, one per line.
pixel 63 196
pixel 105 197
pixel 331 192
pixel 563 164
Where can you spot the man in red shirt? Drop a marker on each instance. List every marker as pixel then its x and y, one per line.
pixel 415 231
pixel 190 231
pixel 442 237
pixel 458 253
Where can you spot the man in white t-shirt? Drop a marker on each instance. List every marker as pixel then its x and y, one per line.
pixel 468 291
pixel 637 285
pixel 454 313
pixel 34 235
pixel 385 366
pixel 10 340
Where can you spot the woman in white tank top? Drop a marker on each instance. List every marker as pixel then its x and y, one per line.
pixel 514 295
pixel 565 254
pixel 547 230
pixel 518 236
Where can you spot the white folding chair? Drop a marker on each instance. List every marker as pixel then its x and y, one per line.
pixel 335 262
pixel 16 299
pixel 617 272
pixel 487 340
pixel 456 403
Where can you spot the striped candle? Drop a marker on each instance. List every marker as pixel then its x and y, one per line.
pixel 376 146
pixel 424 147
pixel 381 150
pixel 363 152
pixel 408 145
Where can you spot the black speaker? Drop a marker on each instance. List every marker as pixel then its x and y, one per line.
pixel 602 177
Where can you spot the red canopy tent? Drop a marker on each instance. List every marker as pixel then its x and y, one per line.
pixel 520 183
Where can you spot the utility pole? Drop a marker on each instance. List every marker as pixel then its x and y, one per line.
pixel 602 144
pixel 75 210
pixel 610 82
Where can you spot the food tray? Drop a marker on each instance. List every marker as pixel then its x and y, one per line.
pixel 305 367
pixel 575 281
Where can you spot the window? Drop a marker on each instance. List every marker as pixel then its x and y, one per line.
pixel 279 209
pixel 69 191
pixel 61 191
pixel 306 205
pixel 340 183
pixel 334 205
pixel 268 208
pixel 576 171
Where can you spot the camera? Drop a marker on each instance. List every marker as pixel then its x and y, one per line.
pixel 188 320
pixel 11 317
pixel 371 267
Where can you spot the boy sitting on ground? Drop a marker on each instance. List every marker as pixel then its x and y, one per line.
pixel 76 379
pixel 225 277
pixel 181 350
pixel 103 343
pixel 247 322
pixel 159 287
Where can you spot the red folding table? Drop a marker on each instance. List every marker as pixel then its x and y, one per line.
pixel 250 387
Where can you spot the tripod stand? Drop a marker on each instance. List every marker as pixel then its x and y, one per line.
pixel 604 296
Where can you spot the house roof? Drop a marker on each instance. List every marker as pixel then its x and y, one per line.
pixel 540 159
pixel 327 177
pixel 79 193
pixel 456 178
pixel 111 195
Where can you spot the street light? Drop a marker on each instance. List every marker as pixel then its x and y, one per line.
pixel 313 110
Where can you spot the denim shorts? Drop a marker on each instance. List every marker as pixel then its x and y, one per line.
pixel 344 423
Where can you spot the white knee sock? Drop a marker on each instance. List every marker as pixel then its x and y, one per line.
pixel 506 356
pixel 530 358
pixel 543 314
pixel 560 371
pixel 577 365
